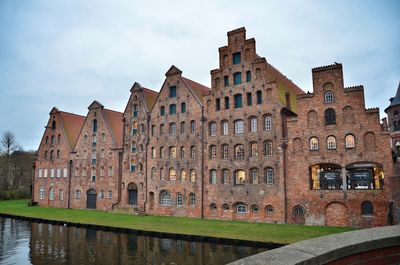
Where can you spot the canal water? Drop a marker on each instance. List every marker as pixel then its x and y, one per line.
pixel 23 242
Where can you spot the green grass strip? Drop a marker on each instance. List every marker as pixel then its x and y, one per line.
pixel 277 233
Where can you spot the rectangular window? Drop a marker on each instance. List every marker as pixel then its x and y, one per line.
pixel 41 193
pixel 248 76
pixel 193 152
pixel 237 78
pixel 259 97
pixel 172 92
pixel 183 107
pixel 249 99
pixel 236 58
pixel 239 127
pixel 183 127
pixel 217 104
pixel 65 172
pixel 226 102
pixel 58 172
pixel 40 173
pixel 238 100
pixel 94 160
pixel 226 80
pixel 52 173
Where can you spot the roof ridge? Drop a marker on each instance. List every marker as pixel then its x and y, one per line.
pixel 285 77
pixel 114 111
pixel 71 113
pixel 329 66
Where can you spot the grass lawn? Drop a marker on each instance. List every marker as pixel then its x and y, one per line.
pixel 277 233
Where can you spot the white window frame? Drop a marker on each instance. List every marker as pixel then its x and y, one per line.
pixel 239 127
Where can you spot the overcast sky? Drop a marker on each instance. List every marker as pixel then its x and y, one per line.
pixel 69 53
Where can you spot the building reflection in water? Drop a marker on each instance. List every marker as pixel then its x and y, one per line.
pixel 53 244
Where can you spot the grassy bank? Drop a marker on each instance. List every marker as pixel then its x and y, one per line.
pixel 277 233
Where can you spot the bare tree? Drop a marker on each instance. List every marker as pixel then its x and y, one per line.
pixel 8 145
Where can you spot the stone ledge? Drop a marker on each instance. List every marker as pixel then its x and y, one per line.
pixel 325 249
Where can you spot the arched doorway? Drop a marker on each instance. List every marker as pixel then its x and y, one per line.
pixel 91 197
pixel 298 215
pixel 132 193
pixel 336 215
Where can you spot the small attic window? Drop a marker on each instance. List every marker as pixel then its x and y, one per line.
pixel 329 98
pixel 172 92
pixel 53 125
pixel 236 58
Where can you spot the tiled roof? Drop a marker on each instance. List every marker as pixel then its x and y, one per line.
pixel 197 88
pixel 150 97
pixel 114 120
pixel 72 124
pixel 281 77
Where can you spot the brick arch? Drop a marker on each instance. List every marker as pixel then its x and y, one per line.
pixel 336 214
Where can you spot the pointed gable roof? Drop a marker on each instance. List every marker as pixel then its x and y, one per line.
pixel 173 70
pixel 149 95
pixel 114 121
pixel 95 105
pixel 396 100
pixel 72 124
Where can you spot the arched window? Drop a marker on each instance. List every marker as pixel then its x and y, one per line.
pixel 226 102
pixel 58 153
pixel 255 209
pixel 51 194
pixel 259 97
pixel 183 152
pixel 135 110
pixel 51 154
pixel 269 175
pixel 268 148
pixel 254 175
pixel 239 151
pixel 94 126
pixel 172 109
pixel 269 210
pixel 45 155
pixel 183 175
pixel 53 125
pixel 165 198
pixel 350 141
pixel 153 173
pixel 212 152
pixel 331 142
pixel 172 152
pixel 239 126
pixel 133 147
pixel 253 124
pixel 213 176
pixel 161 152
pixel 52 140
pixel 241 208
pixel 225 127
pixel 134 128
pixel 314 144
pixel 153 152
pixel 226 81
pixel 367 208
pixel 162 111
pixel 162 174
pixel 328 97
pixel 213 129
pixel 240 176
pixel 183 127
pixel 312 118
pixel 133 165
pixel 192 126
pixel 225 151
pixel 47 140
pixel 179 199
pixel 225 207
pixel 77 194
pixel 225 176
pixel 172 174
pixel 213 207
pixel 330 116
pixel 172 128
pixel 192 175
pixel 267 122
pixel 298 210
pixel 183 107
pixel 192 199
pixel 253 149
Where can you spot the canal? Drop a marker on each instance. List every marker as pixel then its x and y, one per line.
pixel 23 242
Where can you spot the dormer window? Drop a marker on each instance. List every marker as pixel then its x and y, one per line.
pixel 329 98
pixel 236 58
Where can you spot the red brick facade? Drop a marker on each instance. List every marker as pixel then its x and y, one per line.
pixel 253 147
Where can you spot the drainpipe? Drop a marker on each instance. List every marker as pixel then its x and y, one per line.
pixel 203 119
pixel 69 185
pixel 119 180
pixel 146 162
pixel 284 148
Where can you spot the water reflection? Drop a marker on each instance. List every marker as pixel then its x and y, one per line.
pixel 24 242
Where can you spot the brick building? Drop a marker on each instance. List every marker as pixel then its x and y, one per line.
pixel 254 146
